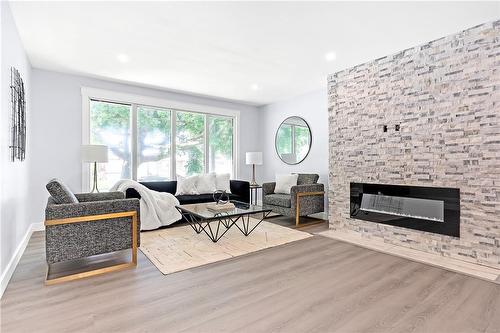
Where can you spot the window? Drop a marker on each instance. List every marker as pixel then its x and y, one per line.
pixel 110 125
pixel 285 139
pixel 190 143
pixel 301 141
pixel 153 143
pixel 220 141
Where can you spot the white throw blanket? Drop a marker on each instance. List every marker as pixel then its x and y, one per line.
pixel 157 208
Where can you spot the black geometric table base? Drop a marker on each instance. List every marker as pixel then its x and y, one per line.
pixel 245 223
pixel 216 228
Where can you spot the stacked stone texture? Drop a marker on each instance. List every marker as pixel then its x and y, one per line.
pixel 446 96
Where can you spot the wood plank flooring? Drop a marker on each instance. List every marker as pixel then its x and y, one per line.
pixel 314 285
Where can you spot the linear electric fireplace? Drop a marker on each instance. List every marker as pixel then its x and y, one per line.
pixel 431 209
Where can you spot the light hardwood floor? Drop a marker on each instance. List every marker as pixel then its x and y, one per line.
pixel 315 285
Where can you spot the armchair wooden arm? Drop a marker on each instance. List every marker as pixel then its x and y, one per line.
pixel 304 194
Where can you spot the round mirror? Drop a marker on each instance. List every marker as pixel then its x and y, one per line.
pixel 293 140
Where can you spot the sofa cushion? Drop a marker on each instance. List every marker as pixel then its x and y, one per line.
pixel 236 197
pixel 307 179
pixel 169 186
pixel 206 183
pixel 187 185
pixel 277 199
pixel 223 182
pixel 60 192
pixel 201 198
pixel 187 199
pixel 240 190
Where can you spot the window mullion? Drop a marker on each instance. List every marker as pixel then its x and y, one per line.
pixel 206 142
pixel 234 155
pixel 134 131
pixel 173 132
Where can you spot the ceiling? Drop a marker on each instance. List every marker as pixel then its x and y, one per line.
pixel 253 52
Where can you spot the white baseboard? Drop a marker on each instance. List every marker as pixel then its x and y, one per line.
pixel 37 227
pixel 11 266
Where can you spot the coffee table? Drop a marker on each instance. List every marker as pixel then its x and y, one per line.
pixel 216 224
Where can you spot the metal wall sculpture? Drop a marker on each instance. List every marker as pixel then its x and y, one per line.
pixel 18 117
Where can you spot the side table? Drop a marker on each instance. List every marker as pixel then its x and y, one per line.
pixel 253 193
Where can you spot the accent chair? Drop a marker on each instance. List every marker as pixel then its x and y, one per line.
pixel 87 224
pixel 305 198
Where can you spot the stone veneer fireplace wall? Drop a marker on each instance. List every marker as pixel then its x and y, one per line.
pixel 445 97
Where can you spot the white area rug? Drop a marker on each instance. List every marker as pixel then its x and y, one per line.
pixel 179 248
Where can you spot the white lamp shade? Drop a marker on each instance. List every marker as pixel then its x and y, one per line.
pixel 94 153
pixel 254 158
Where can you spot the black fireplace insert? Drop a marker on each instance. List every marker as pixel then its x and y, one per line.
pixel 431 209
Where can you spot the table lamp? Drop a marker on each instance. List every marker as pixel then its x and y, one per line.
pixel 253 158
pixel 94 154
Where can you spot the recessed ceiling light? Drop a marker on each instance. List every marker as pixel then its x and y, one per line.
pixel 330 56
pixel 255 87
pixel 123 58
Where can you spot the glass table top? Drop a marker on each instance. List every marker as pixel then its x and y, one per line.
pixel 241 208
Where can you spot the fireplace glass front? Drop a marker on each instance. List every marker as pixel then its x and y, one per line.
pixel 430 209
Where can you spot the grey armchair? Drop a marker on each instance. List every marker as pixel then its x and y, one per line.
pixel 94 223
pixel 306 198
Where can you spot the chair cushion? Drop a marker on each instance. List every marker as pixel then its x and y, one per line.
pixel 60 192
pixel 307 179
pixel 276 199
pixel 284 183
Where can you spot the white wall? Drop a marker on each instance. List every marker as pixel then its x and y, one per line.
pixel 313 108
pixel 15 193
pixel 57 129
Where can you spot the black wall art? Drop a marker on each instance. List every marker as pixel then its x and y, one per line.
pixel 18 117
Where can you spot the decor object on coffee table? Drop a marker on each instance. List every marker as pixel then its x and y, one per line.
pixel 18 117
pixel 220 207
pixel 94 154
pixel 220 197
pixel 97 223
pixel 305 198
pixel 253 158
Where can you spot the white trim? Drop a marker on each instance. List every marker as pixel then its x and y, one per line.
pixel 133 140
pixel 173 145
pixel 119 97
pixel 206 148
pixel 114 96
pixel 85 186
pixel 236 152
pixel 11 266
